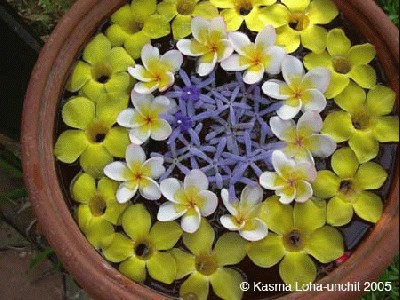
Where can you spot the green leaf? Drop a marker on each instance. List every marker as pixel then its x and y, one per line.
pixel 40 256
pixel 11 169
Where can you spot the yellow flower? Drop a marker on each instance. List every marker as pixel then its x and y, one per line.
pixel 181 11
pixel 345 62
pixel 95 141
pixel 102 70
pixel 133 25
pixel 297 22
pixel 364 121
pixel 237 11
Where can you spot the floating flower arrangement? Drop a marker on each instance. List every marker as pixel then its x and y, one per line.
pixel 208 143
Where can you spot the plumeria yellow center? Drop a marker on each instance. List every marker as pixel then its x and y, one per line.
pixel 188 197
pixel 243 7
pixel 206 264
pixel 298 21
pixel 143 250
pixel 102 72
pixel 139 174
pixel 341 64
pixel 294 241
pixel 97 205
pixel 96 131
pixel 185 7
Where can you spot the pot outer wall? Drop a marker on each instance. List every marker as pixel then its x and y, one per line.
pixel 89 269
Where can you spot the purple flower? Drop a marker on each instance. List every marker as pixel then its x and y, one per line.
pixel 182 122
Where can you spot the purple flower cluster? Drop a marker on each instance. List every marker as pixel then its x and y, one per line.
pixel 221 130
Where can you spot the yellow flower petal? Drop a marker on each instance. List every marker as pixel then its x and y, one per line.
pixel 116 141
pixel 232 19
pixel 84 216
pixel 368 207
pixel 118 83
pixel 322 11
pixel 223 3
pixel 135 43
pixel 339 212
pixel 253 20
pixel 314 60
pixel 344 162
pixel 120 248
pixel 181 26
pixel 185 262
pixel 196 284
pixel 297 267
pixel 364 75
pixel 201 241
pixel 143 8
pixel 277 216
pixel 162 267
pixel 122 16
pixel 116 35
pixel 296 5
pixel 226 284
pixel 83 188
pixel 351 99
pixel 338 125
pixel 276 15
pixel 99 232
pixel 167 9
pixel 79 77
pixel 156 26
pixel 309 216
pixel 361 54
pixel 337 43
pixel 325 244
pixel 337 85
pixel 164 235
pixel 94 159
pixel 267 252
pixel 206 10
pixel 370 176
pixel 134 268
pixel 380 100
pixel 97 49
pixel 326 185
pixel 364 145
pixel 386 129
pixel 136 221
pixel 78 112
pixel 120 60
pixel 288 38
pixel 230 249
pixel 70 145
pixel 314 38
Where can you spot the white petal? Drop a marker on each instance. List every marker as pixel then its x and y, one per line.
pixel 280 127
pixel 320 77
pixel 218 24
pixel 280 161
pixel 142 88
pixel 308 169
pixel 124 194
pixel 268 180
pixel 199 24
pixel 197 179
pixel 225 199
pixel 141 101
pixel 204 69
pixel 151 190
pixel 125 118
pixel 316 101
pixel 287 112
pixel 117 171
pixel 155 164
pixel 251 195
pixel 169 212
pixel 303 192
pixel 239 40
pixel 185 46
pixel 284 198
pixel 272 88
pixel 149 53
pixel 323 145
pixel 171 81
pixel 191 220
pixel 169 187
pixel 161 103
pixel 138 136
pixel 172 58
pixel 255 234
pixel 210 203
pixel 139 73
pixel 310 120
pixel 275 65
pixel 135 155
pixel 162 132
pixel 266 37
pixel 292 67
pixel 232 63
pixel 229 222
pixel 252 77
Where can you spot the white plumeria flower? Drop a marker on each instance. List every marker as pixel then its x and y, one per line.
pixel 243 214
pixel 303 140
pixel 189 200
pixel 157 71
pixel 144 120
pixel 210 42
pixel 256 58
pixel 291 179
pixel 136 174
pixel 300 91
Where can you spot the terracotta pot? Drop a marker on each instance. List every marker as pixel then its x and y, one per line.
pixel 89 269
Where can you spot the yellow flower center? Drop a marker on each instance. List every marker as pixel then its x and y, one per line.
pixel 243 7
pixel 206 264
pixel 360 119
pixel 134 26
pixel 102 72
pixel 143 250
pixel 298 21
pixel 96 132
pixel 97 205
pixel 341 65
pixel 185 7
pixel 294 241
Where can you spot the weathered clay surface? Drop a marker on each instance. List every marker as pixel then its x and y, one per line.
pixel 79 258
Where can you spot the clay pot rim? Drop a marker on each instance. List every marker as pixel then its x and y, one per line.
pixel 89 269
